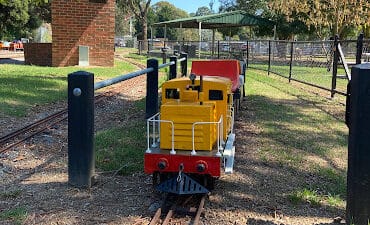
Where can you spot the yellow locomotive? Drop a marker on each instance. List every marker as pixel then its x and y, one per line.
pixel 192 136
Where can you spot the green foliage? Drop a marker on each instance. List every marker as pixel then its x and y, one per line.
pixel 10 194
pixel 165 11
pixel 305 195
pixel 19 17
pixel 18 215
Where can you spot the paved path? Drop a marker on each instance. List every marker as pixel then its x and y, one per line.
pixel 10 57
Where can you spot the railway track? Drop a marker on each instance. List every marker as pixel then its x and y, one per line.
pixel 19 136
pixel 176 210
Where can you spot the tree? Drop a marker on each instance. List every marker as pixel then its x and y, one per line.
pixel 19 17
pixel 337 15
pixel 165 11
pixel 140 9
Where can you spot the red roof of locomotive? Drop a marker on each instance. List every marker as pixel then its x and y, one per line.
pixel 222 68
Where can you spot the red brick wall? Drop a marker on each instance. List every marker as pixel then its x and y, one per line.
pixel 83 22
pixel 37 54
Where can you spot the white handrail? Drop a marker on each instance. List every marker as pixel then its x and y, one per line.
pixel 193 152
pixel 153 120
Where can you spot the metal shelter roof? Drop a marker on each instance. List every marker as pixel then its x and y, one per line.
pixel 227 19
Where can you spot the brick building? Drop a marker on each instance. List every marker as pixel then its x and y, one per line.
pixel 83 23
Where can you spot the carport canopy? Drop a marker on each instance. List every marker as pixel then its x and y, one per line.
pixel 221 20
pixel 228 19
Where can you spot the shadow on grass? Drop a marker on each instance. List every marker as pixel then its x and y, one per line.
pixel 19 93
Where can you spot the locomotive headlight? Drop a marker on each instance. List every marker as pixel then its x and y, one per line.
pixel 162 164
pixel 201 166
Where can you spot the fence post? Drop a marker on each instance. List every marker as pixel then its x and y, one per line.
pixel 173 68
pixel 247 61
pixel 359 47
pixel 164 56
pixel 291 60
pixel 152 88
pixel 184 64
pixel 358 175
pixel 81 155
pixel 335 66
pixel 269 63
pixel 140 47
pixel 218 49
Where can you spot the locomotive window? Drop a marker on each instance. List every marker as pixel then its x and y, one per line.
pixel 216 95
pixel 173 93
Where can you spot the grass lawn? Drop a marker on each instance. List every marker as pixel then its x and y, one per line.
pixel 297 132
pixel 22 87
pixel 315 75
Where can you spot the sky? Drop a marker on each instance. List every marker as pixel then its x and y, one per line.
pixel 190 6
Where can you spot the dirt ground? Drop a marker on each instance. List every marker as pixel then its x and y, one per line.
pixel 34 176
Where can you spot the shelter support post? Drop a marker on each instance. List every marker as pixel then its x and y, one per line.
pixel 200 38
pixel 213 43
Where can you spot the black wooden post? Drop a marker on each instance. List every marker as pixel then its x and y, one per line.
pixel 335 66
pixel 269 63
pixel 173 68
pixel 358 174
pixel 359 46
pixel 291 60
pixel 81 155
pixel 184 64
pixel 152 89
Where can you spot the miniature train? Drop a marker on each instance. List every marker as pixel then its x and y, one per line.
pixel 192 137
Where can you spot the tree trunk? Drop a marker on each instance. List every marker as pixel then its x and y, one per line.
pixel 145 34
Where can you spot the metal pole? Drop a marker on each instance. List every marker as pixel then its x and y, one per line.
pixel 335 66
pixel 358 173
pixel 291 60
pixel 181 38
pixel 173 68
pixel 152 89
pixel 184 64
pixel 200 38
pixel 81 155
pixel 218 49
pixel 269 63
pixel 247 54
pixel 213 43
pixel 359 46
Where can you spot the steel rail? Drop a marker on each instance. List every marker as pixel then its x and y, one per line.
pixel 156 217
pixel 36 124
pixel 31 135
pixel 31 126
pixel 200 210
